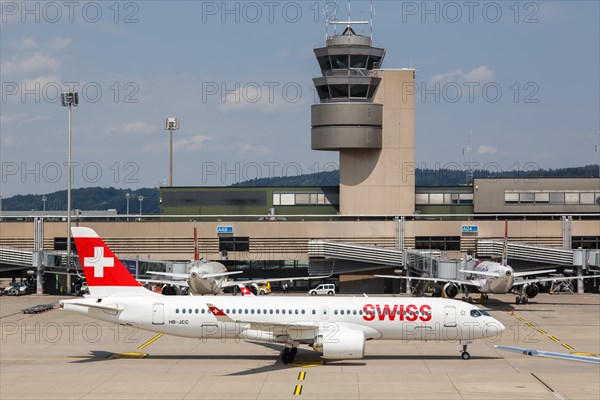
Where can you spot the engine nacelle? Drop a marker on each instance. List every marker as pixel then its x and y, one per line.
pixel 450 290
pixel 344 344
pixel 532 290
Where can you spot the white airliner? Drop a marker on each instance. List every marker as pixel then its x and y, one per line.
pixel 337 327
pixel 496 278
pixel 212 277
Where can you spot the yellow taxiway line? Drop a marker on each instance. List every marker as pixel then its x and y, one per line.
pixel 150 341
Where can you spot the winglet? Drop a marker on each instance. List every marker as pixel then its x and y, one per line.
pixel 245 291
pixel 218 313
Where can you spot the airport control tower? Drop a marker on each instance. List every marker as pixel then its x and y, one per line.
pixel 367 114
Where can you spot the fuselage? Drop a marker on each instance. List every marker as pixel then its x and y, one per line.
pixel 201 285
pixel 495 284
pixel 378 317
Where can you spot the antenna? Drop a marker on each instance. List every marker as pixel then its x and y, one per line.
pixel 335 17
pixel 325 12
pixel 371 23
pixel 349 14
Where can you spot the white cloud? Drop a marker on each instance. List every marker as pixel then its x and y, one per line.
pixel 184 144
pixel 481 74
pixel 189 144
pixel 9 141
pixel 32 63
pixel 60 43
pixel 21 118
pixel 486 149
pixel 136 128
pixel 245 148
pixel 27 43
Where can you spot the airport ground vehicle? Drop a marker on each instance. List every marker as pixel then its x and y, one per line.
pixel 325 288
pixel 17 289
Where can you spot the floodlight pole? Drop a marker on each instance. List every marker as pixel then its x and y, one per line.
pixel 69 177
pixel 127 196
pixel 69 100
pixel 171 124
pixel 171 156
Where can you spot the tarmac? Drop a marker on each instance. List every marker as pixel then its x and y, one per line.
pixel 58 355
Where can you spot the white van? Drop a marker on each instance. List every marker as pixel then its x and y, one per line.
pixel 326 288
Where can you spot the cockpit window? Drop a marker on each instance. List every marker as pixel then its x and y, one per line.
pixel 485 313
pixel 475 313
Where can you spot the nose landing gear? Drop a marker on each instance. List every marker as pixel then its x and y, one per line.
pixel 464 354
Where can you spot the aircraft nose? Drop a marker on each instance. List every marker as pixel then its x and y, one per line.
pixel 501 327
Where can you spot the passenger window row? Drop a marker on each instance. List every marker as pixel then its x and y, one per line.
pixel 238 311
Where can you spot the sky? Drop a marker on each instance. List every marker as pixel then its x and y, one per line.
pixel 515 83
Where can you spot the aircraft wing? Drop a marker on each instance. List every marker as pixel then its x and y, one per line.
pixel 219 274
pixel 247 282
pixel 550 354
pixel 292 330
pixel 482 273
pixel 423 278
pixel 164 282
pixel 527 273
pixel 171 274
pixel 564 278
pixel 113 307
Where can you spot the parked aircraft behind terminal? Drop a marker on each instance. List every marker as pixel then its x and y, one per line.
pixel 212 277
pixel 338 327
pixel 493 277
pixel 496 278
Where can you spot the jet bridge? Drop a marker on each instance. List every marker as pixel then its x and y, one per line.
pixel 526 252
pixel 15 259
pixel 418 261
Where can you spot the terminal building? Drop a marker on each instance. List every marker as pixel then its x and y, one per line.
pixel 367 224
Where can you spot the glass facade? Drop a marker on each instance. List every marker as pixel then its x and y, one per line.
pixel 554 197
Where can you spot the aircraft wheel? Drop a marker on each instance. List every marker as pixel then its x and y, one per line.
pixel 524 300
pixel 465 355
pixel 469 299
pixel 287 356
pixel 464 298
pixel 518 300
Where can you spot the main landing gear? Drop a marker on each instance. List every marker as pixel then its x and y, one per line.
pixel 521 299
pixel 464 354
pixel 288 355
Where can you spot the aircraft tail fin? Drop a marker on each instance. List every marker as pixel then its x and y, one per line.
pixel 505 245
pixel 104 272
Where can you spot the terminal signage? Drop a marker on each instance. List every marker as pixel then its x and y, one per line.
pixel 224 229
pixel 131 266
pixel 470 229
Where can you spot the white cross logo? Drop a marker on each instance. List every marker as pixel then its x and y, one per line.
pixel 99 262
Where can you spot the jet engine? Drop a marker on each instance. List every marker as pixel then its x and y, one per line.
pixel 343 344
pixel 450 290
pixel 531 290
